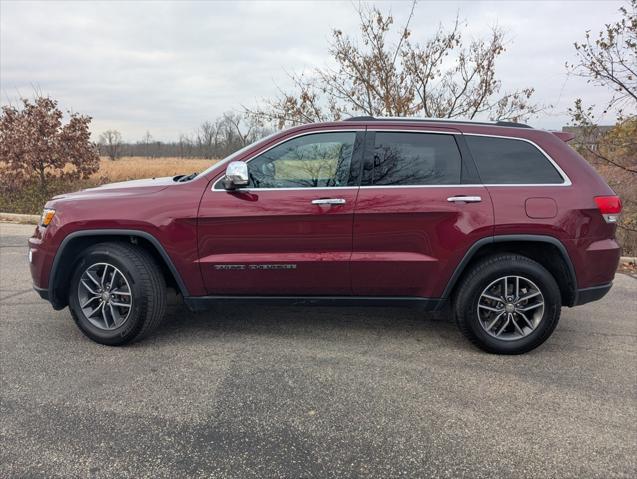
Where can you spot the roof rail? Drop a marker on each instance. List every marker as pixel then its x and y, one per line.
pixel 439 120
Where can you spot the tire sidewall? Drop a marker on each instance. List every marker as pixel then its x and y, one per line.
pixel 552 304
pixel 133 324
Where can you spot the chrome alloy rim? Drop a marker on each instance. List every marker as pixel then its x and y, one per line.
pixel 104 296
pixel 510 308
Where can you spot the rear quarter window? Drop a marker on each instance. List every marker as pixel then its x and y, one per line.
pixel 503 161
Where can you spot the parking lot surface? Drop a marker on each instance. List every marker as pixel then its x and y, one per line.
pixel 291 392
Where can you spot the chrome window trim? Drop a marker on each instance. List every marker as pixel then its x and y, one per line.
pixel 562 173
pixel 566 180
pixel 303 133
pixel 248 190
pixel 423 186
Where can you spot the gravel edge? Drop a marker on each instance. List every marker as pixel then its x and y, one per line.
pixel 19 219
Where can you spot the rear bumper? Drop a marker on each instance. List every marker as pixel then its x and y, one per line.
pixel 587 295
pixel 595 261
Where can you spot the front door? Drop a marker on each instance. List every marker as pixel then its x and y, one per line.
pixel 419 209
pixel 290 231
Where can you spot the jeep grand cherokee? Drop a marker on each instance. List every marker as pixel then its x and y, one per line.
pixel 500 224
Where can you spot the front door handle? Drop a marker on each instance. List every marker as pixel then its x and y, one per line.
pixel 329 201
pixel 464 199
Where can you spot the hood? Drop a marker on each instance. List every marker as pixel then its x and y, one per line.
pixel 123 188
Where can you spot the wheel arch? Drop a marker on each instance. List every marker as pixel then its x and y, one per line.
pixel 549 251
pixel 73 244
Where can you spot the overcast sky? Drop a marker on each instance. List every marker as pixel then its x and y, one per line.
pixel 167 66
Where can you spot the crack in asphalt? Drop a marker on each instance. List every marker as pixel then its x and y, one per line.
pixel 15 294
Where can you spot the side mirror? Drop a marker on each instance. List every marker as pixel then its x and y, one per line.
pixel 236 175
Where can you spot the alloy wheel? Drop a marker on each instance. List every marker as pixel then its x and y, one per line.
pixel 510 308
pixel 105 296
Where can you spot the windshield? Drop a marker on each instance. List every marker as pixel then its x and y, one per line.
pixel 237 154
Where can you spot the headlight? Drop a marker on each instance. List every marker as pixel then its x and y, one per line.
pixel 47 217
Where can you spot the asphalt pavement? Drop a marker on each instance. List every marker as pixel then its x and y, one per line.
pixel 295 392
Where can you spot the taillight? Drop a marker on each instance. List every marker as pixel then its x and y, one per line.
pixel 609 207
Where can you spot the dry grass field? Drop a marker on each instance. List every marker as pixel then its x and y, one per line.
pixel 135 167
pixel 31 198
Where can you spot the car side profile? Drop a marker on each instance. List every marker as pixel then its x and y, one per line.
pixel 498 223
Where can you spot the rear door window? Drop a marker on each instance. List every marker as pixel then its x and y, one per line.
pixel 505 161
pixel 405 159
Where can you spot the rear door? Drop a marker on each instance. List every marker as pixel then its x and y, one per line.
pixel 419 209
pixel 290 231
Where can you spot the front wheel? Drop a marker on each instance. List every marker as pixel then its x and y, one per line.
pixel 508 304
pixel 117 293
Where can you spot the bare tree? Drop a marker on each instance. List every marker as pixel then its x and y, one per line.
pixel 147 139
pixel 111 143
pixel 185 146
pixel 445 77
pixel 610 61
pixel 208 138
pixel 236 130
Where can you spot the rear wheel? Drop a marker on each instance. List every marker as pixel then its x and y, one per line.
pixel 117 293
pixel 508 304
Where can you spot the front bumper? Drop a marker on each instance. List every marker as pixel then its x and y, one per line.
pixel 587 295
pixel 43 292
pixel 40 258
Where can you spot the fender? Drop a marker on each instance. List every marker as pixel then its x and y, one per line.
pixel 113 232
pixel 509 238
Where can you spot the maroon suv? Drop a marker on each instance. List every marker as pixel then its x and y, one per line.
pixel 501 223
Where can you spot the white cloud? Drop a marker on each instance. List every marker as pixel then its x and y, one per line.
pixel 166 67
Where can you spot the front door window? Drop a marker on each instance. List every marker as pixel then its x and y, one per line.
pixel 312 161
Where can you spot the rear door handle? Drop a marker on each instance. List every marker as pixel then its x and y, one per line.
pixel 464 199
pixel 329 201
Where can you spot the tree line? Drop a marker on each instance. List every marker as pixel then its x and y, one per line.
pixel 212 139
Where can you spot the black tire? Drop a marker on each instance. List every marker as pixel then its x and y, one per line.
pixel 147 289
pixel 483 274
